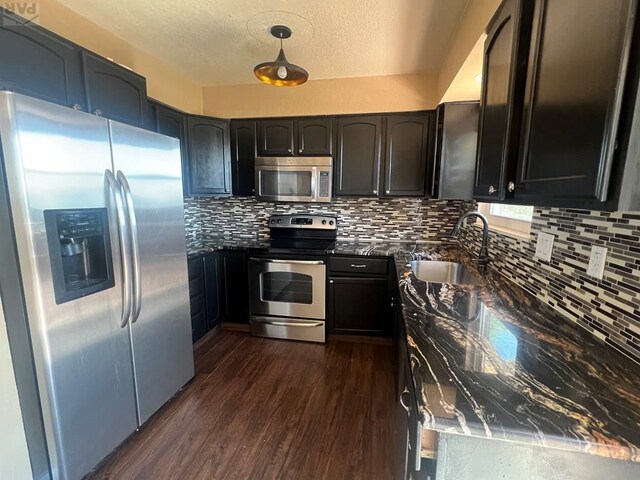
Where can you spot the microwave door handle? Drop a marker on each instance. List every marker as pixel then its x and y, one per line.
pixel 123 237
pixel 314 184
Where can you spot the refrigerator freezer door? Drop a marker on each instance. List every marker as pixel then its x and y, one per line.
pixel 149 169
pixel 56 158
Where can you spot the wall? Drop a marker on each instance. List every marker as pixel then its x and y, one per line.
pixel 14 456
pixel 608 308
pixel 324 97
pixel 402 219
pixel 164 83
pixel 471 27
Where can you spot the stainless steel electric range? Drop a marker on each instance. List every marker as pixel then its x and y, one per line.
pixel 288 279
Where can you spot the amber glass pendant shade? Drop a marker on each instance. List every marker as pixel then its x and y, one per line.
pixel 280 72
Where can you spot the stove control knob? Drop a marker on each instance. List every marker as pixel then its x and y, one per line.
pixel 279 220
pixel 330 222
pixel 324 222
pixel 273 220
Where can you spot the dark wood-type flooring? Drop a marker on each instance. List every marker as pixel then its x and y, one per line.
pixel 270 409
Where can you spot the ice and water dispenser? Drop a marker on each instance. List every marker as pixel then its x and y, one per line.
pixel 80 252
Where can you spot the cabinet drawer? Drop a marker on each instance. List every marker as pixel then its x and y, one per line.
pixel 370 266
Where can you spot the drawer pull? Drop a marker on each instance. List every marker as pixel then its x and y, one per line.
pixel 358 266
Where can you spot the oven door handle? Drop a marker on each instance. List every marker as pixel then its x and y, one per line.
pixel 294 262
pixel 287 323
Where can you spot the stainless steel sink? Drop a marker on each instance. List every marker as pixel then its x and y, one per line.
pixel 444 272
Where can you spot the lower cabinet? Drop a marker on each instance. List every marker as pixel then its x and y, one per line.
pixel 197 298
pixel 358 296
pixel 212 284
pixel 234 281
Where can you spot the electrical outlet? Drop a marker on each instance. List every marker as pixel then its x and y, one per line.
pixel 544 247
pixel 596 262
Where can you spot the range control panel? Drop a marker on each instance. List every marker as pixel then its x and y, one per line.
pixel 324 186
pixel 314 222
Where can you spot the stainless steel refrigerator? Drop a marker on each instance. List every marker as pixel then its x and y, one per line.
pixel 98 221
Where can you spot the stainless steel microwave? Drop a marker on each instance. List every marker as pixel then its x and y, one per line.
pixel 294 179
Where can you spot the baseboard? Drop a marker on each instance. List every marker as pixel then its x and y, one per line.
pixel 237 327
pixel 359 339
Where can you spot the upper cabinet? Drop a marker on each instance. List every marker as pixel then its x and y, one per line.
pixel 408 144
pixel 358 156
pixel 173 123
pixel 114 91
pixel 501 100
pixel 243 156
pixel 209 160
pixel 38 63
pixel 315 136
pixel 556 116
pixel 455 156
pixel 574 88
pixel 276 137
pixel 286 137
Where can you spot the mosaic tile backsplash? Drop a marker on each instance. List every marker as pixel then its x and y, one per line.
pixel 403 219
pixel 608 308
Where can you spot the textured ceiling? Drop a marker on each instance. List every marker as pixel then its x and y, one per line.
pixel 217 42
pixel 467 84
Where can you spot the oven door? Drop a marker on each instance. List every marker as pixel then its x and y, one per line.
pixel 291 183
pixel 288 288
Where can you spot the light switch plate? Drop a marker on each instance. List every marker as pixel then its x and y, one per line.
pixel 544 247
pixel 597 261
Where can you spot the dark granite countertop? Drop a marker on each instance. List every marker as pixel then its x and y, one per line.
pixel 225 243
pixel 495 362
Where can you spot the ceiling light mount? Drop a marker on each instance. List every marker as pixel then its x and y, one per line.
pixel 280 72
pixel 281 31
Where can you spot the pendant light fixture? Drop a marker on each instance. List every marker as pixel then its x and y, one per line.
pixel 280 72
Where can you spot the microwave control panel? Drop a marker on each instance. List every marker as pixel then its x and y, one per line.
pixel 324 184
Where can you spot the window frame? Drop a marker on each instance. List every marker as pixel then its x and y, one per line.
pixel 509 226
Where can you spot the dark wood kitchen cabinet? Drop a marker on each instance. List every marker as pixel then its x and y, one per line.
pixel 174 124
pixel 409 142
pixel 573 98
pixel 114 91
pixel 36 62
pixel 314 136
pixel 359 306
pixel 504 68
pixel 243 154
pixel 358 156
pixel 276 137
pixel 197 298
pixel 455 155
pixel 209 156
pixel 235 286
pixel 212 289
pixel 556 120
pixel 359 296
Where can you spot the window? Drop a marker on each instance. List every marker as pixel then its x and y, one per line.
pixel 510 219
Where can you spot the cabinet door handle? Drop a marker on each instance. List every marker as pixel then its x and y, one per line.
pixel 388 192
pixel 289 150
pixel 98 112
pixel 492 189
pixel 375 192
pixel 358 266
pixel 404 405
pixel 330 281
pixel 78 107
pixel 511 186
pixel 299 150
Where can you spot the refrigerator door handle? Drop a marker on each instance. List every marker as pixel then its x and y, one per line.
pixel 135 245
pixel 124 247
